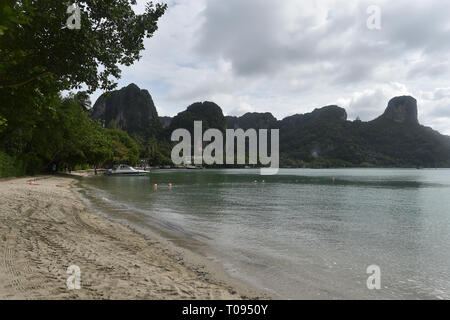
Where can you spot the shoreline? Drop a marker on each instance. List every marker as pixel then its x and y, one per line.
pixel 189 252
pixel 47 227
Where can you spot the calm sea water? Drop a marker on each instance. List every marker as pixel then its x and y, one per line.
pixel 299 235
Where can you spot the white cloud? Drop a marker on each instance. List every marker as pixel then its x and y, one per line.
pixel 436 109
pixel 370 103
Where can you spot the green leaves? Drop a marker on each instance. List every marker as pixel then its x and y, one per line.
pixel 10 16
pixel 126 149
pixel 111 35
pixel 6 17
pixel 3 123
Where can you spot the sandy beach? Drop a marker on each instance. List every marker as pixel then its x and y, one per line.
pixel 46 227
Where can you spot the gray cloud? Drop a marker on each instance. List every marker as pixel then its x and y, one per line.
pixel 254 35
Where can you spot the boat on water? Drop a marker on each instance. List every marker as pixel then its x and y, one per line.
pixel 191 167
pixel 191 163
pixel 124 169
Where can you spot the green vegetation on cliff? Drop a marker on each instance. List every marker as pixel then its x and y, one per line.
pixel 325 138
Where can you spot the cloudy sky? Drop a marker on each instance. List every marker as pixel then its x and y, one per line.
pixel 292 56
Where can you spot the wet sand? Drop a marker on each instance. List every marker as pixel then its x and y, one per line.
pixel 46 227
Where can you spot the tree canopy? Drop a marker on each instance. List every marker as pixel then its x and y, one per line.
pixel 36 42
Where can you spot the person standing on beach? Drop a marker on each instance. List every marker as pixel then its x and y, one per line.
pixel 54 168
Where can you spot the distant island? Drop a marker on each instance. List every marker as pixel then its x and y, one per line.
pixel 323 138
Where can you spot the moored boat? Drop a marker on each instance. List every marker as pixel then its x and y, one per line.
pixel 124 169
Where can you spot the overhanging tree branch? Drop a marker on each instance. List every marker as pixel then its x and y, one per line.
pixel 24 82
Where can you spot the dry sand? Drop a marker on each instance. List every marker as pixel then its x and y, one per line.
pixel 46 227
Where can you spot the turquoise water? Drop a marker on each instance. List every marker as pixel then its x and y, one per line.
pixel 299 235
